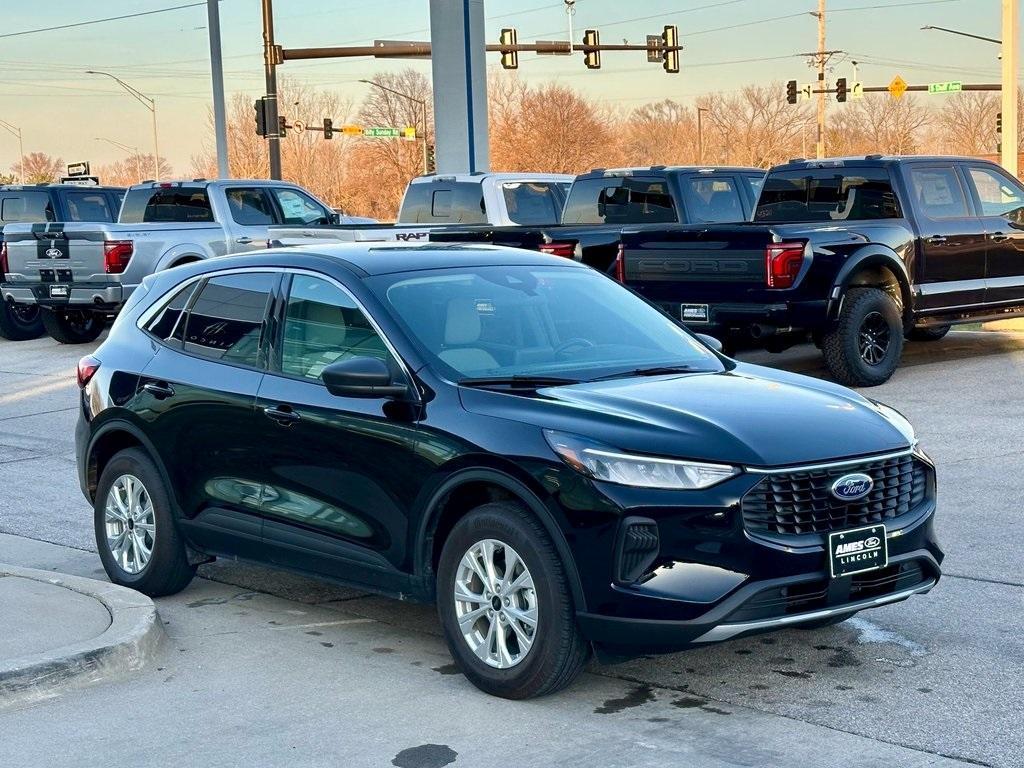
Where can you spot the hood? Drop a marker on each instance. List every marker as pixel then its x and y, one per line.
pixel 750 415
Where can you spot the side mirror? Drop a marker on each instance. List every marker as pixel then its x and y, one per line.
pixel 334 218
pixel 710 341
pixel 365 377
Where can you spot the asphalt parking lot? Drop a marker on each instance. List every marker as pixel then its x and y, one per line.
pixel 263 667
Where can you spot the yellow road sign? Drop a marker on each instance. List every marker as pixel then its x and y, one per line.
pixel 897 87
pixel 352 130
pixel 409 134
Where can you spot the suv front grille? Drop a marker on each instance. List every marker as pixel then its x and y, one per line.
pixel 801 502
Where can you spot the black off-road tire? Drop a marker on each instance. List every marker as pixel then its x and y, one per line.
pixel 19 322
pixel 931 333
pixel 168 570
pixel 559 651
pixel 73 326
pixel 864 310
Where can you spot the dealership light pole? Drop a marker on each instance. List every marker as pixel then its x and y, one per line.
pixel 423 110
pixel 148 103
pixel 220 125
pixel 15 131
pixel 134 151
pixel 1011 58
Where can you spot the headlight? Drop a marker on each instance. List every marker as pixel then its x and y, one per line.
pixel 603 463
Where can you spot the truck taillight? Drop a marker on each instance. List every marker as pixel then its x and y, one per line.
pixel 87 368
pixel 782 263
pixel 620 264
pixel 4 268
pixel 116 255
pixel 566 250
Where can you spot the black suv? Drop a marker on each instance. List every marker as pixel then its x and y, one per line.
pixel 556 462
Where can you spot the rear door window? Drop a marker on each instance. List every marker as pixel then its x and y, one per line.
pixel 89 206
pixel 26 206
pixel 179 205
pixel 827 194
pixel 938 193
pixel 620 200
pixel 712 199
pixel 168 325
pixel 249 206
pixel 227 319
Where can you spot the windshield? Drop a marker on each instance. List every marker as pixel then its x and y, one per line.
pixel 507 321
pixel 827 194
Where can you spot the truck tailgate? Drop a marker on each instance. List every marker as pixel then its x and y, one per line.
pixel 687 256
pixel 49 258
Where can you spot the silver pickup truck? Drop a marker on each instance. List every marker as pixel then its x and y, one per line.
pixel 80 274
pixel 430 202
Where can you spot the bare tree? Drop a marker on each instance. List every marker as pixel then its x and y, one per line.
pixel 132 170
pixel 966 123
pixel 40 168
pixel 755 127
pixel 894 126
pixel 663 133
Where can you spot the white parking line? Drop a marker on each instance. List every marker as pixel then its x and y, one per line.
pixel 40 389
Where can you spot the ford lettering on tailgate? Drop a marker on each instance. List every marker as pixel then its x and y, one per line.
pixel 737 266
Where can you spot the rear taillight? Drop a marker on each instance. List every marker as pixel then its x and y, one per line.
pixel 620 264
pixel 566 250
pixel 87 368
pixel 782 263
pixel 116 255
pixel 4 268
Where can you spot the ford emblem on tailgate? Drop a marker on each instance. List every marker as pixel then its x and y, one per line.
pixel 852 487
pixel 54 253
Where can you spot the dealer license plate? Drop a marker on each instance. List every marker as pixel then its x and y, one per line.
pixel 857 550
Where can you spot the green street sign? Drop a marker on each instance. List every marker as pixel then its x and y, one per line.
pixel 382 133
pixel 952 86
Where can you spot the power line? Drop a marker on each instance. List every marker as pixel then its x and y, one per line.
pixel 891 5
pixel 101 21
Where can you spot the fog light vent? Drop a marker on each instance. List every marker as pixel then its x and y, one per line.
pixel 638 547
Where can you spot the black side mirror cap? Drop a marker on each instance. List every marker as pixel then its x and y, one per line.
pixel 334 218
pixel 366 377
pixel 710 341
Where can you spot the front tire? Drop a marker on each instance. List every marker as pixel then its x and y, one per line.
pixel 19 322
pixel 505 605
pixel 136 534
pixel 72 326
pixel 930 333
pixel 865 346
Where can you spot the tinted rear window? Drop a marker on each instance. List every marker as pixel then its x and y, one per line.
pixel 439 202
pixel 166 204
pixel 827 194
pixel 26 206
pixel 620 200
pixel 712 199
pixel 535 202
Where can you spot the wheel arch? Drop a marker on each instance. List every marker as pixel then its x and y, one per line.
pixel 112 438
pixel 184 253
pixel 468 489
pixel 872 267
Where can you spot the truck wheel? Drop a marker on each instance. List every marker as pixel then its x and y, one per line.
pixel 931 333
pixel 72 326
pixel 20 321
pixel 505 605
pixel 864 347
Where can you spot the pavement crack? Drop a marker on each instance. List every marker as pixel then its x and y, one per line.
pixel 982 579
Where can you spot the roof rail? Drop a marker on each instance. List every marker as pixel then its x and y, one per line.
pixel 797 160
pixel 873 157
pixel 658 167
pixel 147 181
pixel 200 179
pixel 598 170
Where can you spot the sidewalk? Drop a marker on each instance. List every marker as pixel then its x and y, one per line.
pixel 65 631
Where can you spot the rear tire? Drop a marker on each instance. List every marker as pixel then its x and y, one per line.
pixel 931 333
pixel 148 553
pixel 19 322
pixel 865 346
pixel 73 326
pixel 555 651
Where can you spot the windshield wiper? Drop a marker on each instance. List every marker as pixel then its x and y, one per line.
pixel 519 381
pixel 661 370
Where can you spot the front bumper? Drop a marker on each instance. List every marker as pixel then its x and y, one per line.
pixel 100 296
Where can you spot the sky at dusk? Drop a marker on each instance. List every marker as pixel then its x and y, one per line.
pixel 728 45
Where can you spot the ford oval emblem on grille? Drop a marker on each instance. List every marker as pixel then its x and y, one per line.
pixel 54 253
pixel 852 487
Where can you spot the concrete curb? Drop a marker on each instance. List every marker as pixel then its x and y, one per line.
pixel 132 639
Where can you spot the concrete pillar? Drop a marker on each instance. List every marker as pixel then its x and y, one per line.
pixel 1011 49
pixel 458 58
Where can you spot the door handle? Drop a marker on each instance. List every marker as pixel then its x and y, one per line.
pixel 937 240
pixel 160 391
pixel 998 237
pixel 243 240
pixel 282 414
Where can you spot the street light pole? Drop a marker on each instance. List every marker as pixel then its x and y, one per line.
pixel 700 133
pixel 133 150
pixel 423 108
pixel 1011 57
pixel 21 148
pixel 220 128
pixel 148 103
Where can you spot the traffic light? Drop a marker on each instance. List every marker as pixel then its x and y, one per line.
pixel 431 160
pixel 670 49
pixel 592 49
pixel 791 91
pixel 282 126
pixel 509 58
pixel 999 122
pixel 841 89
pixel 328 128
pixel 260 105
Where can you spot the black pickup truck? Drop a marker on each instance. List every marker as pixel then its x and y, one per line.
pixel 856 253
pixel 601 203
pixel 25 204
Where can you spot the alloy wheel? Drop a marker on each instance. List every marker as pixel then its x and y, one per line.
pixel 25 314
pixel 873 338
pixel 496 603
pixel 130 523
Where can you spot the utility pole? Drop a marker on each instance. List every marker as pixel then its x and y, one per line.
pixel 217 74
pixel 1010 45
pixel 822 57
pixel 14 131
pixel 700 133
pixel 270 55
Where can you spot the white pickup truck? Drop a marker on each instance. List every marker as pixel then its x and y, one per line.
pixel 80 273
pixel 498 199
